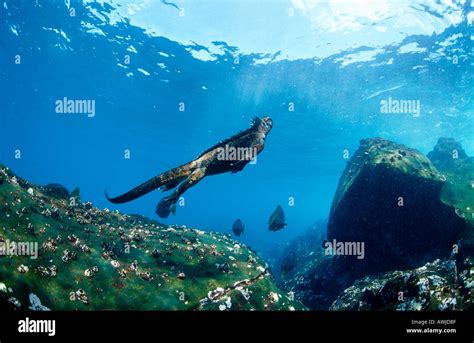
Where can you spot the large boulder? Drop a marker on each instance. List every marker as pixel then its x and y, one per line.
pixel 389 199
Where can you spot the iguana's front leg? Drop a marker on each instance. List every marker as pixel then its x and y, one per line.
pixel 240 165
pixel 165 206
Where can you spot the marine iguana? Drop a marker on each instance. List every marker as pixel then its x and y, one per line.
pixel 215 160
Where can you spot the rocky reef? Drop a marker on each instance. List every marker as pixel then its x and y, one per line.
pixel 314 276
pixel 412 213
pixel 447 153
pixel 301 251
pixel 418 244
pixel 436 286
pixel 389 197
pixel 91 259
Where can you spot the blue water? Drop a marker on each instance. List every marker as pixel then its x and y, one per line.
pixel 321 87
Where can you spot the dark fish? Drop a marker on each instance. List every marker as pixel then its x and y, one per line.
pixel 76 194
pixel 288 264
pixel 277 220
pixel 55 189
pixel 238 228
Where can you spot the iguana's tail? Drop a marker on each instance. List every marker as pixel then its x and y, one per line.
pixel 166 181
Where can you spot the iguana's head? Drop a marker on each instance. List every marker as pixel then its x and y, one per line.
pixel 266 125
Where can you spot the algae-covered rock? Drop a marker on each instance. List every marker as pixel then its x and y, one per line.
pixel 389 198
pixel 449 157
pixel 299 253
pixel 438 286
pixel 446 153
pixel 91 259
pixel 314 278
pixel 318 285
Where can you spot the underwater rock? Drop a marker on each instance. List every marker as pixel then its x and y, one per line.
pixel 319 282
pixel 316 279
pixel 92 259
pixel 388 198
pixel 449 157
pixel 306 248
pixel 437 286
pixel 446 152
pixel 381 176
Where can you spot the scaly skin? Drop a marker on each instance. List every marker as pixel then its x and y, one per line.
pixel 210 162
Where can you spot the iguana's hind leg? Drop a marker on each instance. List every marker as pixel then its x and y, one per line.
pixel 164 207
pixel 172 184
pixel 166 181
